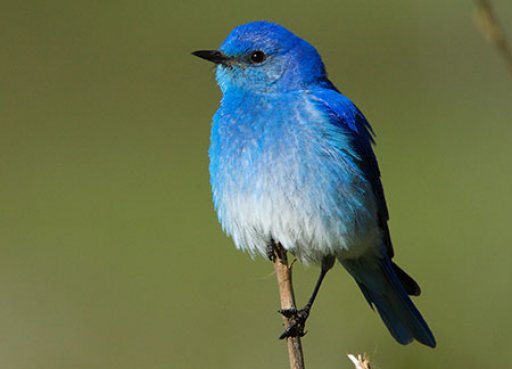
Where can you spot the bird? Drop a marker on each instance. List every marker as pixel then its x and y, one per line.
pixel 292 163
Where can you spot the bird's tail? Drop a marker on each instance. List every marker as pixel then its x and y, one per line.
pixel 381 285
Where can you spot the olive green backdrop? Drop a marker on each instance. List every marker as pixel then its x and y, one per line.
pixel 110 252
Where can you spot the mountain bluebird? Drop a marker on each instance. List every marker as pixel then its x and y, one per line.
pixel 291 162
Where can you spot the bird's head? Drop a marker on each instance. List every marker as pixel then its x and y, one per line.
pixel 263 57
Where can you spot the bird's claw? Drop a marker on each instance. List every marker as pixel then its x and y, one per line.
pixel 270 252
pixel 296 322
pixel 288 313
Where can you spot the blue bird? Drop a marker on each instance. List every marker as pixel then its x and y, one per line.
pixel 291 162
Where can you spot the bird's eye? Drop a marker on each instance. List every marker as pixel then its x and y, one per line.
pixel 257 57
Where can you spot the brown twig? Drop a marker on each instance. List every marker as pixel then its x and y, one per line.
pixel 283 272
pixel 493 31
pixel 287 297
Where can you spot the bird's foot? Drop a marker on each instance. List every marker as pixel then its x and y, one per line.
pixel 270 252
pixel 296 322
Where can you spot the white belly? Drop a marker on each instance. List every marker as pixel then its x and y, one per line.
pixel 310 225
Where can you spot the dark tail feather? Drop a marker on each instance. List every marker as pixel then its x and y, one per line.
pixel 411 287
pixel 380 282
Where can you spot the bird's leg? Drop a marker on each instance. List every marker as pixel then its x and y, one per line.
pixel 298 317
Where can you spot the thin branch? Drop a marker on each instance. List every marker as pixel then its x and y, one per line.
pixel 493 31
pixel 287 297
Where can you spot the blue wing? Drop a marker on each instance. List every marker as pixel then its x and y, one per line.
pixel 350 119
pixel 384 285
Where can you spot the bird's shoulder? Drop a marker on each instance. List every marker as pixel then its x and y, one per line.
pixel 342 112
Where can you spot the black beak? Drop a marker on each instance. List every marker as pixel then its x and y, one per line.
pixel 215 56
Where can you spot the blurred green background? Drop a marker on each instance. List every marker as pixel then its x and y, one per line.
pixel 110 252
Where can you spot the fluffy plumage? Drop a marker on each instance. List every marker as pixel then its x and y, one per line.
pixel 291 160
